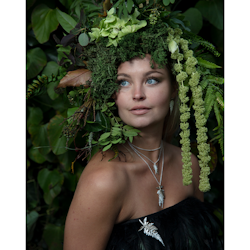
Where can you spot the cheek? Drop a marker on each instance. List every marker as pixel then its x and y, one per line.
pixel 162 99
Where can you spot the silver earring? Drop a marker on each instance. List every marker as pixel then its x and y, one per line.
pixel 171 106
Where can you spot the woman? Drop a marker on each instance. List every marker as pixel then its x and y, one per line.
pixel 124 189
pixel 137 200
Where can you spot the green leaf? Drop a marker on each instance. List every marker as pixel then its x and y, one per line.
pixel 116 141
pixel 50 182
pixel 71 111
pixel 125 11
pixel 104 136
pixel 104 108
pixel 130 128
pixel 166 2
pixel 129 133
pixel 42 179
pixel 57 142
pixel 103 120
pixel 213 11
pixel 93 14
pixel 207 64
pixel 110 104
pixel 119 14
pixel 131 139
pixel 107 147
pixel 37 60
pixel 36 156
pixel 39 137
pixel 116 133
pixel 65 20
pixel 117 3
pixel 172 1
pixel 103 143
pixel 194 17
pixel 51 90
pixel 43 21
pixel 51 68
pixel 31 223
pixel 127 127
pixel 129 5
pixel 35 116
pixel 53 236
pixel 83 39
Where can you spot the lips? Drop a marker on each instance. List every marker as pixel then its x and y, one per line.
pixel 139 110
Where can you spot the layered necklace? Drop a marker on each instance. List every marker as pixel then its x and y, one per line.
pixel 160 191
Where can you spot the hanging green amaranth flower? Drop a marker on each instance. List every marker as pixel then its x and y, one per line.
pixel 203 147
pixel 115 28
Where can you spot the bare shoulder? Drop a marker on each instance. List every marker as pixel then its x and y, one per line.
pixel 96 204
pixel 102 173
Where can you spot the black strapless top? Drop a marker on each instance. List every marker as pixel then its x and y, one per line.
pixel 188 225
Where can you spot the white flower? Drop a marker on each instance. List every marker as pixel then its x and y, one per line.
pixel 172 46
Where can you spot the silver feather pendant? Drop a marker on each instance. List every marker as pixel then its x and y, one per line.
pixel 150 230
pixel 156 169
pixel 161 195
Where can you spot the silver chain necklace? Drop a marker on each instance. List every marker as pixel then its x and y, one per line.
pixel 160 191
pixel 145 148
pixel 154 163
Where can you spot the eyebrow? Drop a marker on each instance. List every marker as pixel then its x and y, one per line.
pixel 146 74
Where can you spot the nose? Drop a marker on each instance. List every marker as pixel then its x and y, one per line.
pixel 138 93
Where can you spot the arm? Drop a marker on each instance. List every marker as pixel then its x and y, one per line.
pixel 196 173
pixel 94 209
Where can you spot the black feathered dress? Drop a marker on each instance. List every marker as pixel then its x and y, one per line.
pixel 188 225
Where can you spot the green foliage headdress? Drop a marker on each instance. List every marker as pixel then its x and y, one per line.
pixel 98 48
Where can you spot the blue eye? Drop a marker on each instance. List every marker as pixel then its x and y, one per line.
pixel 152 81
pixel 123 83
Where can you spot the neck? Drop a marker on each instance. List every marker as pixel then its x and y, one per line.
pixel 146 141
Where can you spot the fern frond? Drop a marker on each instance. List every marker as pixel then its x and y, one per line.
pixel 221 143
pixel 219 136
pixel 220 100
pixel 204 83
pixel 209 101
pixel 215 79
pixel 197 39
pixel 36 85
pixel 217 113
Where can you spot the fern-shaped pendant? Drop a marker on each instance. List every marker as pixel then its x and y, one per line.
pixel 150 230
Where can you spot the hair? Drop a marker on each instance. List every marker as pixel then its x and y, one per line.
pixel 172 120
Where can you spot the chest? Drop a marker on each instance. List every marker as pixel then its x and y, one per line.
pixel 145 189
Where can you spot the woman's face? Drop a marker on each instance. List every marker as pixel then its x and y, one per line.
pixel 145 93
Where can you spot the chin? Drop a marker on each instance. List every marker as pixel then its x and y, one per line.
pixel 143 123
